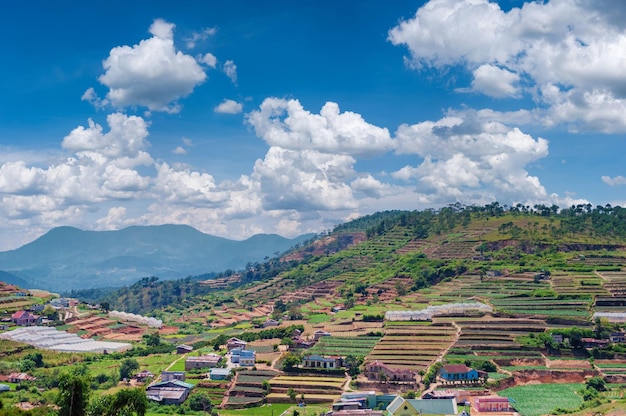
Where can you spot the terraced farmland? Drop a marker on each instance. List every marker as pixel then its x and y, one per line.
pixel 248 388
pixel 543 306
pixel 315 389
pixel 412 345
pixel 357 346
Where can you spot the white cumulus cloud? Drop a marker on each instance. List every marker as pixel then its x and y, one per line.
pixel 568 53
pixel 286 124
pixel 614 181
pixel 151 74
pixel 229 107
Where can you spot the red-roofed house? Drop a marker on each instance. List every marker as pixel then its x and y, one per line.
pixel 377 370
pixel 19 377
pixel 24 318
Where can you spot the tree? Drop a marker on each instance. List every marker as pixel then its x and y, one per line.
pixel 127 368
pixel 153 339
pixel 36 357
pixel 596 383
pixel 200 401
pixel 291 393
pixel 50 313
pixel 126 402
pixel 105 306
pixel 73 393
pixel 291 361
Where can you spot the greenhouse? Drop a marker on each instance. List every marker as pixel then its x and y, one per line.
pixel 50 339
pixel 125 316
pixel 438 310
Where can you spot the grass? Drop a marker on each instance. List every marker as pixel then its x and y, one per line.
pixel 276 409
pixel 540 399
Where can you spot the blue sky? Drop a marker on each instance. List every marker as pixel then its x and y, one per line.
pixel 289 117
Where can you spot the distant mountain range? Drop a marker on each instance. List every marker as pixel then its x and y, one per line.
pixel 69 258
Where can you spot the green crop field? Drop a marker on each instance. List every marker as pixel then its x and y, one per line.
pixel 540 399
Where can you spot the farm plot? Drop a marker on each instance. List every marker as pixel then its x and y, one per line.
pixel 541 399
pixel 214 389
pixel 587 285
pixel 343 346
pixel 315 389
pixel 412 345
pixel 248 388
pixel 495 333
pixel 543 306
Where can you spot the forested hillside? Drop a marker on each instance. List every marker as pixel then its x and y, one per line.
pixel 424 246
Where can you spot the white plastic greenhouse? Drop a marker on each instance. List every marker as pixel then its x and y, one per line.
pixel 438 310
pixel 125 316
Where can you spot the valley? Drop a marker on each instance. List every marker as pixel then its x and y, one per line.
pixel 494 302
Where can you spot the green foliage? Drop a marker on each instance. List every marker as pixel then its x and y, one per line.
pixel 74 392
pixel 153 339
pixel 597 383
pixel 291 361
pixel 127 368
pixel 200 401
pixel 126 402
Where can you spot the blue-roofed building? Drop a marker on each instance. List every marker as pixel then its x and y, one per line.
pixel 219 373
pixel 243 357
pixel 321 361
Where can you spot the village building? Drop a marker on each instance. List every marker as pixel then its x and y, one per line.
pixel 461 373
pixel 25 318
pixel 618 337
pixel 183 349
pixel 143 376
pixel 172 375
pixel 233 343
pixel 19 378
pixel 202 361
pixel 270 322
pixel 422 407
pixel 318 334
pixel 320 361
pixel 377 370
pixel 169 392
pixel 219 373
pixel 492 404
pixel 461 396
pixel 594 343
pixel 245 358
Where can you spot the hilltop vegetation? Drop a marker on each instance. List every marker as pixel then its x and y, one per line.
pixel 543 271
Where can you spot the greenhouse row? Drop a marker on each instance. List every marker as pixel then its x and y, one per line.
pixel 439 310
pixel 51 339
pixel 125 316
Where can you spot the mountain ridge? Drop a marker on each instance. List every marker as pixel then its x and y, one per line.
pixel 70 258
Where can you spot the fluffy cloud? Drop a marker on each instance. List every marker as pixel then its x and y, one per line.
pixel 152 73
pixel 126 137
pixel 614 181
pixel 462 157
pixel 229 107
pixel 199 36
pixel 286 124
pixel 209 59
pixel 495 82
pixel 230 69
pixel 304 180
pixel 570 54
